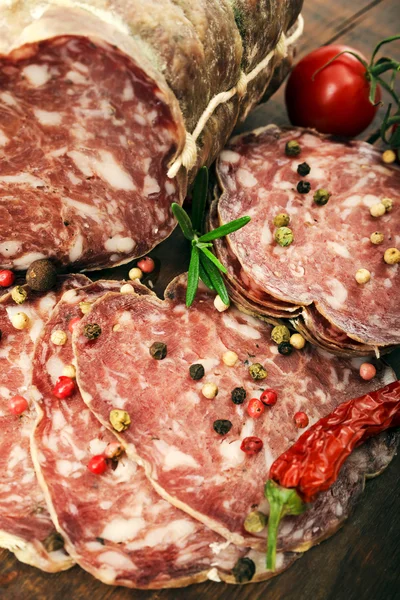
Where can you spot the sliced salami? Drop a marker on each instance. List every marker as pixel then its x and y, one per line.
pixel 330 236
pixel 190 445
pixel 25 525
pixel 94 106
pixel 114 524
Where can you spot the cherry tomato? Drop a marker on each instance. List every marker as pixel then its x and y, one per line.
pixel 72 323
pixel 97 464
pixel 6 278
pixel 146 264
pixel 251 445
pixel 300 420
pixel 17 405
pixel 64 388
pixel 255 408
pixel 269 397
pixel 334 100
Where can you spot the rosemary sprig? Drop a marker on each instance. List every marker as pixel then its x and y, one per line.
pixel 203 262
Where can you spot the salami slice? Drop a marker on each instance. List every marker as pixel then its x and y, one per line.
pixel 114 524
pixel 191 445
pixel 331 241
pixel 25 525
pixel 94 106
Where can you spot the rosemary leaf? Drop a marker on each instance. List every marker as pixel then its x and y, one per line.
pixel 225 229
pixel 193 277
pixel 184 221
pixel 204 275
pixel 214 259
pixel 216 279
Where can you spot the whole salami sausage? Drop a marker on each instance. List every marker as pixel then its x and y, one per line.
pixel 186 399
pixel 96 99
pixel 25 525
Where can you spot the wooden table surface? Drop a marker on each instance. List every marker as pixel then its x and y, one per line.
pixel 362 560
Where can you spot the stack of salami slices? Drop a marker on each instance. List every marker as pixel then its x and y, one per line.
pixel 323 246
pixel 116 456
pixel 96 99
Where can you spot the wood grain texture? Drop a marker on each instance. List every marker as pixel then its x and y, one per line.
pixel 361 561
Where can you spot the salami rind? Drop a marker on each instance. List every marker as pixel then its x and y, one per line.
pixel 331 242
pixel 115 525
pixel 106 92
pixel 172 431
pixel 25 524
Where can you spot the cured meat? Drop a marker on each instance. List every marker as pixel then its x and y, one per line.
pixel 95 101
pixel 115 525
pixel 172 429
pixel 25 525
pixel 331 242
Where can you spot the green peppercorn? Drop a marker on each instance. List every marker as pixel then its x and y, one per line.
pixel 292 148
pixel 244 570
pixel 285 348
pixel 321 197
pixel 303 187
pixel 257 371
pixel 119 419
pixel 92 331
pixel 158 350
pixel 196 371
pixel 284 236
pixel 255 522
pixel 19 294
pixel 238 395
pixel 54 541
pixel 222 426
pixel 303 169
pixel 281 220
pixel 280 333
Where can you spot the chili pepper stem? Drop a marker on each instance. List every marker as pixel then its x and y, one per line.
pixel 275 515
pixel 282 501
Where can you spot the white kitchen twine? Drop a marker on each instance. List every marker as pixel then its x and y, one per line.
pixel 188 156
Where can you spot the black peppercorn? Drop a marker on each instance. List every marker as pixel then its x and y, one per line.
pixel 158 350
pixel 285 348
pixel 238 395
pixel 196 371
pixel 41 275
pixel 244 570
pixel 222 426
pixel 303 187
pixel 92 331
pixel 303 169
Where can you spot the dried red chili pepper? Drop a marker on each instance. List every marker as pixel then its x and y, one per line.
pixel 301 472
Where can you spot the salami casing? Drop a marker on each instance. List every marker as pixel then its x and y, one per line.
pixel 96 98
pixel 25 525
pixel 175 431
pixel 115 525
pixel 316 272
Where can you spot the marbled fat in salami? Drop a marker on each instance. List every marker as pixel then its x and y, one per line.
pixel 115 525
pixel 25 525
pixel 172 429
pixel 331 242
pixel 95 101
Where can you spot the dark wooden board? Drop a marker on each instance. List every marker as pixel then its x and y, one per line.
pixel 361 561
